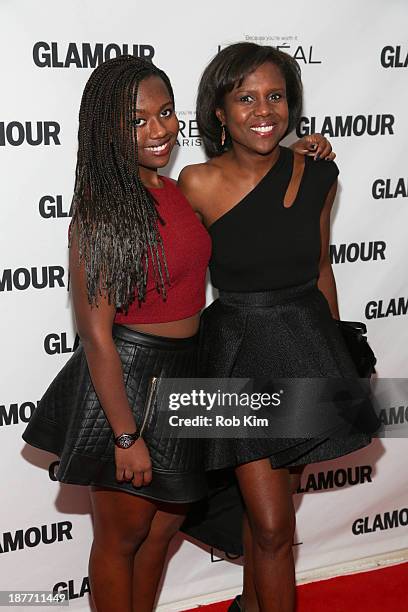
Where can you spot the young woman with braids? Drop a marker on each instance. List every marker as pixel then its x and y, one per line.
pixel 267 210
pixel 138 256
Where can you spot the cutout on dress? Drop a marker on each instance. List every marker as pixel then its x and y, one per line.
pixel 295 180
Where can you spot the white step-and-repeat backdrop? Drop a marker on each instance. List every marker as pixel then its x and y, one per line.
pixel 354 63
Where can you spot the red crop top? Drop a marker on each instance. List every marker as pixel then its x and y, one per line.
pixel 187 247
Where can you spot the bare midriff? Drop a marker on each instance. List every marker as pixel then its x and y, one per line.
pixel 184 328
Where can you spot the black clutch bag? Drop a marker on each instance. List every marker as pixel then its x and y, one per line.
pixel 354 335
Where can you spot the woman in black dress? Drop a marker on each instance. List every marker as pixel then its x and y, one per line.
pixel 138 258
pixel 268 214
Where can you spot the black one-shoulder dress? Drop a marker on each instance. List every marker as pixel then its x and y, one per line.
pixel 271 321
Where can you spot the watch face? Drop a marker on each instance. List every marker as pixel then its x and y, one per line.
pixel 124 441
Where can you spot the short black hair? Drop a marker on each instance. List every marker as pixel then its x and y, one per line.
pixel 227 70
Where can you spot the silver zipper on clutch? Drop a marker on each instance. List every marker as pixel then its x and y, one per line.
pixel 149 402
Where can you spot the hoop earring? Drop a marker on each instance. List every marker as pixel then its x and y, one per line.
pixel 222 135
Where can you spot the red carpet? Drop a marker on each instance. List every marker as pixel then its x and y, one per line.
pixel 382 590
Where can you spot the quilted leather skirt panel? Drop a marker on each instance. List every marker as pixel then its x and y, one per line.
pixel 69 420
pixel 284 334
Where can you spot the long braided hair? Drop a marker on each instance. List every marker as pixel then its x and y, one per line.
pixel 114 214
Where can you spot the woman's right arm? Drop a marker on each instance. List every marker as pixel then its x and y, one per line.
pixel 198 183
pixel 94 325
pixel 190 182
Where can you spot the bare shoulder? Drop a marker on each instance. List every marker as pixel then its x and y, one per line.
pixel 198 182
pixel 197 174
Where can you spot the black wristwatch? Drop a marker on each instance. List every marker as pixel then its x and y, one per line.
pixel 126 440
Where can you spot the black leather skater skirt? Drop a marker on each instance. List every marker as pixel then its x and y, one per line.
pixel 281 334
pixel 69 420
pixel 287 333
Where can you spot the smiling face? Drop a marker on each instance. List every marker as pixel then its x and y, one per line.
pixel 256 112
pixel 156 124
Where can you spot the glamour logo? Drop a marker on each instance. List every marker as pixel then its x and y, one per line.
pixel 379 310
pixel 84 55
pixel 393 415
pixel 56 344
pixel 70 590
pixel 386 188
pixel 337 478
pixel 394 57
pixel 349 125
pixel 189 135
pixel 34 536
pixel 357 251
pixel 33 133
pixel 51 207
pixel 381 522
pixel 36 278
pixel 15 413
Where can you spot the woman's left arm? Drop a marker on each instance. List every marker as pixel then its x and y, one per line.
pixel 326 282
pixel 314 145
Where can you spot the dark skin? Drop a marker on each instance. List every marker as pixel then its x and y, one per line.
pixel 157 125
pixel 256 116
pixel 132 533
